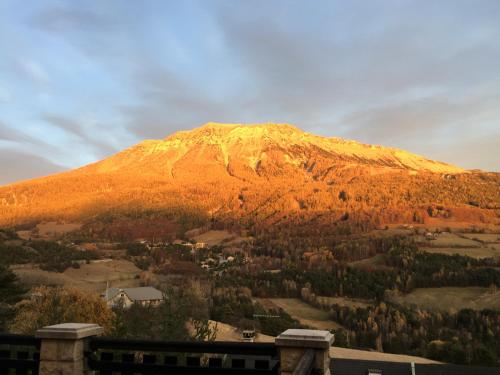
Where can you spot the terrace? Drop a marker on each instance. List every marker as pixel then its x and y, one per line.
pixel 77 349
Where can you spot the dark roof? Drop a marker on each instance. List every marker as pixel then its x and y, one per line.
pixel 360 367
pixel 147 293
pixel 429 369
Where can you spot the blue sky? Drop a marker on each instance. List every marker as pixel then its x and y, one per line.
pixel 80 80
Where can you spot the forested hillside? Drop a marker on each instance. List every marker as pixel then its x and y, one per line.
pixel 254 177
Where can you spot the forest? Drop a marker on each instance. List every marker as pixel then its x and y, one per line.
pixel 465 336
pixel 228 293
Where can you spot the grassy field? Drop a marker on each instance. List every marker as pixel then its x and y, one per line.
pixel 392 231
pixel 485 237
pixel 301 311
pixel 49 230
pixel 90 277
pixel 219 237
pixel 474 245
pixel 450 240
pixel 475 252
pixel 447 298
pixel 342 301
pixel 375 262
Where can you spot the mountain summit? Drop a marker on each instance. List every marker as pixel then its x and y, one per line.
pixel 261 175
pixel 250 145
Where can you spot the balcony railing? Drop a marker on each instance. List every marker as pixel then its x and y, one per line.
pixel 77 349
pixel 19 354
pixel 107 356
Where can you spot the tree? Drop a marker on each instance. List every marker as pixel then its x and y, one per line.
pixel 168 321
pixel 11 292
pixel 50 306
pixel 204 330
pixel 136 249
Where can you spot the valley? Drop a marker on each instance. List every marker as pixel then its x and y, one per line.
pixel 265 227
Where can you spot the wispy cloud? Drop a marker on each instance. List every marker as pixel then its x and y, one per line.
pixel 63 18
pixel 22 139
pixel 35 72
pixel 84 132
pixel 5 95
pixel 421 75
pixel 29 166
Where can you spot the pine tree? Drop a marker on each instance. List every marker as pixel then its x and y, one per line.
pixel 11 292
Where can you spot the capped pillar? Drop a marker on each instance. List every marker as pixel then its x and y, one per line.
pixel 63 346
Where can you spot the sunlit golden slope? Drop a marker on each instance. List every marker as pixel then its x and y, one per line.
pixel 249 145
pixel 257 175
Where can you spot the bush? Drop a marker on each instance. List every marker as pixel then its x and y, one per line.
pixel 135 249
pixel 49 306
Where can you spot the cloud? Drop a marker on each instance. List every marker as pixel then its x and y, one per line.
pixel 412 74
pixel 167 103
pixel 81 132
pixel 476 152
pixel 423 118
pixel 312 74
pixel 5 95
pixel 26 166
pixel 35 72
pixel 12 135
pixel 60 19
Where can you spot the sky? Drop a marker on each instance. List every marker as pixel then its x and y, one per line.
pixel 81 80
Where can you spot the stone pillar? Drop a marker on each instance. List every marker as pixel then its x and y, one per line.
pixel 62 349
pixel 293 343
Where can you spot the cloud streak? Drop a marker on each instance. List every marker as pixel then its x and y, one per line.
pixel 32 165
pixel 81 132
pixel 99 76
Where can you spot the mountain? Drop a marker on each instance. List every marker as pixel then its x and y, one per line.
pixel 231 146
pixel 255 176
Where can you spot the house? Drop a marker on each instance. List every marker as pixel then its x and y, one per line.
pixel 248 335
pixel 128 296
pixel 340 366
pixel 431 236
pixel 222 260
pixel 205 266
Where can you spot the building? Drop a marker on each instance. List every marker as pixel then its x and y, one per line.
pixel 128 296
pixel 295 351
pixel 248 335
pixel 360 367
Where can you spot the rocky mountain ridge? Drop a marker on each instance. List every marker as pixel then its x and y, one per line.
pixel 263 175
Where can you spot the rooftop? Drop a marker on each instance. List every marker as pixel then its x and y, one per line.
pixel 146 293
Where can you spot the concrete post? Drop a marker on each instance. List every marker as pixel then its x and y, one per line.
pixel 62 349
pixel 293 343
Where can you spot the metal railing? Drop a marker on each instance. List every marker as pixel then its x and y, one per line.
pixel 107 356
pixel 19 354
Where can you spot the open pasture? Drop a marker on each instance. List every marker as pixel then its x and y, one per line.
pixel 475 252
pixel 353 303
pixel 376 262
pixel 304 313
pixel 219 237
pixel 443 299
pixel 90 277
pixel 485 237
pixel 451 240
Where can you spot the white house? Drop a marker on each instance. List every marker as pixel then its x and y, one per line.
pixel 128 296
